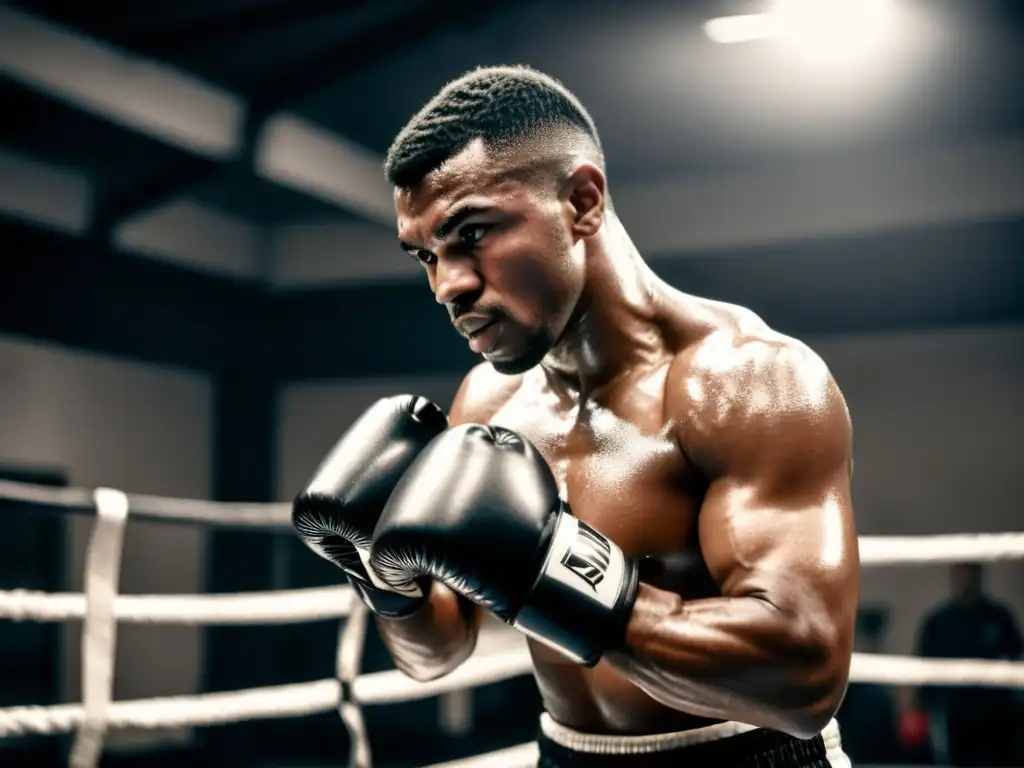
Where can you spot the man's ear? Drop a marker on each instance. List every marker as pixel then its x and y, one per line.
pixel 587 196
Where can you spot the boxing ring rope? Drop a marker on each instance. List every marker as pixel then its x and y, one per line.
pixel 102 609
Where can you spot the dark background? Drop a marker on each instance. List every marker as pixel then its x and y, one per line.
pixel 672 107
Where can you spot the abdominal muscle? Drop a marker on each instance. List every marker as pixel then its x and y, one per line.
pixel 600 700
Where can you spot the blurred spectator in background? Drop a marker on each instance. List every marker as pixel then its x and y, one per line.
pixel 970 726
pixel 867 716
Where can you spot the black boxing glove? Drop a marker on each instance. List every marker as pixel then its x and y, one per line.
pixel 335 514
pixel 479 511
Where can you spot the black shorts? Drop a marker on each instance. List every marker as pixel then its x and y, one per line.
pixel 715 747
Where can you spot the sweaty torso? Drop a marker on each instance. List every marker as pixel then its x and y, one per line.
pixel 620 468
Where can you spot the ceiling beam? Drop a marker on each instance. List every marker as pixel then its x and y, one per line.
pixel 199 118
pixel 268 95
pixel 219 128
pixel 183 232
pixel 142 95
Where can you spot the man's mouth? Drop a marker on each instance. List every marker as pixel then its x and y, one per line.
pixel 473 325
pixel 485 337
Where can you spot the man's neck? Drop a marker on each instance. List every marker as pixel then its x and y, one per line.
pixel 614 327
pixel 968 600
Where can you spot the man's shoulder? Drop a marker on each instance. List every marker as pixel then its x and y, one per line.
pixel 723 339
pixel 744 387
pixel 747 364
pixel 998 609
pixel 482 394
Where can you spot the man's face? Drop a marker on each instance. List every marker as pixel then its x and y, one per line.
pixel 499 253
pixel 965 580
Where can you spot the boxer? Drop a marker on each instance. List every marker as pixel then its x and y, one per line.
pixel 653 487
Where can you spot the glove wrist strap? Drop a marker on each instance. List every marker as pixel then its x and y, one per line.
pixel 582 598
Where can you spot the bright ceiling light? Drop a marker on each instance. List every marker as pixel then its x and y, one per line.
pixel 741 29
pixel 819 28
pixel 833 30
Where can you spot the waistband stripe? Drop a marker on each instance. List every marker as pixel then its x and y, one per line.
pixel 602 744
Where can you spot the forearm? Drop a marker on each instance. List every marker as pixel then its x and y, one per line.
pixel 733 658
pixel 435 639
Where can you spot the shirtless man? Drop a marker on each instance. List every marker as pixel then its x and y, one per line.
pixel 653 487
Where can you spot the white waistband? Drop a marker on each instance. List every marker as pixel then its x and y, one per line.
pixel 602 744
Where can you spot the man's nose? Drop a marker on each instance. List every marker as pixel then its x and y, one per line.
pixel 454 278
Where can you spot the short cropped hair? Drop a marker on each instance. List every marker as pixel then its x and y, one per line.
pixel 500 105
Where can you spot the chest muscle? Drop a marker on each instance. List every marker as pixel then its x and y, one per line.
pixel 617 466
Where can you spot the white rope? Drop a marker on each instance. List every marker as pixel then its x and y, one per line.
pixel 874 550
pixel 99 633
pixel 295 606
pixel 910 670
pixel 523 756
pixel 181 711
pixel 281 607
pixel 947 548
pixel 224 514
pixel 104 608
pixel 392 686
pixel 349 659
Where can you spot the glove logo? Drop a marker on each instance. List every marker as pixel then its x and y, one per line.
pixel 589 555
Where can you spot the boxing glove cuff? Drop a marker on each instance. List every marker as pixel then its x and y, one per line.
pixel 582 599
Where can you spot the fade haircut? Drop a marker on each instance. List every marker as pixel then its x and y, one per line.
pixel 505 107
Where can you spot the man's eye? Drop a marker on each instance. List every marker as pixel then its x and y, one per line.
pixel 425 257
pixel 471 235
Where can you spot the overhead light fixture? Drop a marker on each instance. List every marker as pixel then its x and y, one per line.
pixel 741 29
pixel 820 24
